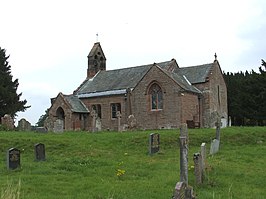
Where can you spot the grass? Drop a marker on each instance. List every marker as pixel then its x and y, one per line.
pixel 117 165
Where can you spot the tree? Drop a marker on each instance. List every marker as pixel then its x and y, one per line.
pixel 42 118
pixel 246 96
pixel 9 99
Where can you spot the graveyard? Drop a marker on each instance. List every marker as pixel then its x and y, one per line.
pixel 105 165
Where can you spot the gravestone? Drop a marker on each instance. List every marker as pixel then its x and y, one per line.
pixel 183 140
pixel 198 168
pixel 132 122
pixel 49 124
pixel 98 124
pixel 13 158
pixel 203 155
pixel 59 126
pixel 118 115
pixel 180 190
pixel 24 125
pixel 8 122
pixel 214 146
pixel 94 117
pixel 218 128
pixel 39 150
pixel 154 143
pixel 41 130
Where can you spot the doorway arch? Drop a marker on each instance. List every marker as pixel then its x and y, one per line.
pixel 60 114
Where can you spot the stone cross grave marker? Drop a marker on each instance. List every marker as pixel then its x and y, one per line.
pixel 94 117
pixel 39 150
pixel 13 158
pixel 154 143
pixel 118 115
pixel 183 140
pixel 214 146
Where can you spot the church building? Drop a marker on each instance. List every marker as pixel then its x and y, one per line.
pixel 154 96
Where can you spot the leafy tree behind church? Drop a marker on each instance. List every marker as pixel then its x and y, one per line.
pixel 10 102
pixel 246 96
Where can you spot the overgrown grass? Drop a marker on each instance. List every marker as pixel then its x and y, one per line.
pixel 85 165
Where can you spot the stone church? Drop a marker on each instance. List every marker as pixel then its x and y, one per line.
pixel 154 96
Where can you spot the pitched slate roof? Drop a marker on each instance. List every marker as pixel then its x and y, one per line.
pixel 114 82
pixel 182 81
pixel 76 104
pixel 196 74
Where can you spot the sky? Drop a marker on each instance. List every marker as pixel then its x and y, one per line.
pixel 48 41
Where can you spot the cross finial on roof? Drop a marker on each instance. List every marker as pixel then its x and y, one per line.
pixel 215 57
pixel 97 36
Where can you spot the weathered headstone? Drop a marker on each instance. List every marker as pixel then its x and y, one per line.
pixel 214 146
pixel 198 168
pixel 98 124
pixel 41 130
pixel 183 140
pixel 49 124
pixel 59 126
pixel 13 158
pixel 39 150
pixel 180 190
pixel 218 128
pixel 24 125
pixel 203 156
pixel 118 115
pixel 132 122
pixel 8 122
pixel 154 143
pixel 94 117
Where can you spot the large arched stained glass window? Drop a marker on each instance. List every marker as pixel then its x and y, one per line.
pixel 156 96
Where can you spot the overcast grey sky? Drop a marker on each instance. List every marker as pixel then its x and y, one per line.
pixel 48 41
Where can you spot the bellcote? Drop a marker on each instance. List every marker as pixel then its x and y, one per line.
pixel 96 60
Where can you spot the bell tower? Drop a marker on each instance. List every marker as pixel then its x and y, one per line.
pixel 96 60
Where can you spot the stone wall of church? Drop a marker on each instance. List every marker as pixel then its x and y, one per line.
pixel 190 108
pixel 106 121
pixel 170 115
pixel 59 102
pixel 214 97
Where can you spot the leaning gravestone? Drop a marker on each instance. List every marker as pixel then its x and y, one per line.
pixel 39 150
pixel 59 126
pixel 154 143
pixel 214 146
pixel 13 158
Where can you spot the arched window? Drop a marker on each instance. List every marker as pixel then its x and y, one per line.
pixel 156 97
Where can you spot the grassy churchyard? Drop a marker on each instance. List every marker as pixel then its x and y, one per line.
pixel 116 165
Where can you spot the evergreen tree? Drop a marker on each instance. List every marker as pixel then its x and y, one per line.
pixel 42 119
pixel 9 99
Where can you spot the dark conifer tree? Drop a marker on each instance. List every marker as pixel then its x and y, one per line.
pixel 9 99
